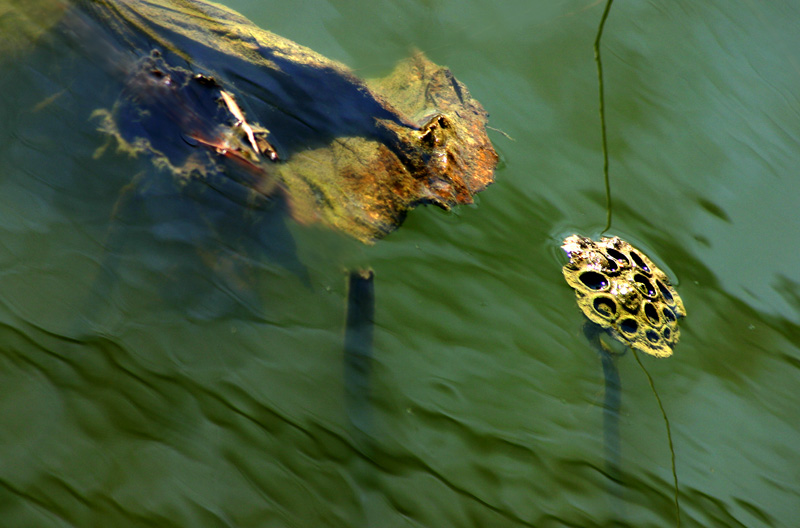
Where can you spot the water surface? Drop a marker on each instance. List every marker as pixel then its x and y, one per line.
pixel 189 394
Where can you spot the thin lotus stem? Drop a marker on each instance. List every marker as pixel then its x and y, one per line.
pixel 599 63
pixel 669 437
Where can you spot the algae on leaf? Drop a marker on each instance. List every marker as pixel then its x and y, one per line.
pixel 347 153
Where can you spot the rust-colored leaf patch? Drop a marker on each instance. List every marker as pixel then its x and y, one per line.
pixel 222 96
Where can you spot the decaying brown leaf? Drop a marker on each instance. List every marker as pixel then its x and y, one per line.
pixel 350 154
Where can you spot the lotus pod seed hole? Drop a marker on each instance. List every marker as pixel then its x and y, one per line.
pixel 605 306
pixel 651 313
pixel 594 280
pixel 639 262
pixel 629 326
pixel 618 256
pixel 664 291
pixel 652 336
pixel 644 285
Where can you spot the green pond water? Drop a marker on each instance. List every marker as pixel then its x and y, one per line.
pixel 190 395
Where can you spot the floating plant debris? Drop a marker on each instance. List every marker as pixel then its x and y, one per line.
pixel 620 289
pixel 207 93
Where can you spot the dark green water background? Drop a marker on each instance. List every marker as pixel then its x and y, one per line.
pixel 203 397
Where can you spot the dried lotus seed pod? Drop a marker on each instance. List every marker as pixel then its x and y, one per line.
pixel 622 291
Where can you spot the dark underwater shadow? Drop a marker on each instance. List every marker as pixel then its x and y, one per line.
pixel 194 251
pixel 195 245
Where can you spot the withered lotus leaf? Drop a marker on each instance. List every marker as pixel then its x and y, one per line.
pixel 208 93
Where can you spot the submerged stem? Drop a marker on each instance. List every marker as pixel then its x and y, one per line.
pixel 669 436
pixel 599 62
pixel 358 337
pixel 612 402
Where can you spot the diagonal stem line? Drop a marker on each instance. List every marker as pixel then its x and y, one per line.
pixel 669 436
pixel 599 63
